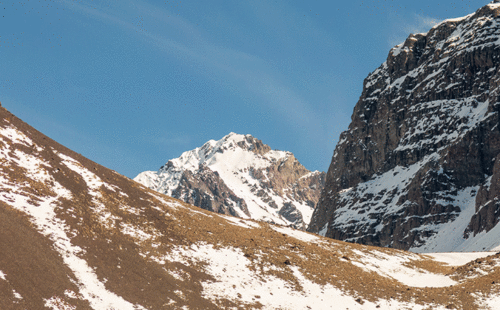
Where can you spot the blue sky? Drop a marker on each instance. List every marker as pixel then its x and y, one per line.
pixel 131 84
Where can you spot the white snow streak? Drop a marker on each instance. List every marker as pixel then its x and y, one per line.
pixel 239 222
pixel 297 234
pixel 458 259
pixel 15 136
pixel 44 217
pixel 392 266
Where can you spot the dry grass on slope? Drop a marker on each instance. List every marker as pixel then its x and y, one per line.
pixel 76 235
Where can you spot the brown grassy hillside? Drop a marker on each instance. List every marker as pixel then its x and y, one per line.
pixel 76 235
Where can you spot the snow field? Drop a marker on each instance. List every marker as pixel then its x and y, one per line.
pixel 449 236
pixel 458 259
pixel 393 267
pixel 391 181
pixel 235 281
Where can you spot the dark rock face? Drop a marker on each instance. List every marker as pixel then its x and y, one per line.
pixel 487 213
pixel 420 155
pixel 292 214
pixel 205 189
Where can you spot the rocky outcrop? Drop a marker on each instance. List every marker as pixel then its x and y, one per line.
pixel 293 215
pixel 241 176
pixel 487 213
pixel 288 178
pixel 417 167
pixel 205 189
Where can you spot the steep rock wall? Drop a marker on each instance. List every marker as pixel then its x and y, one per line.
pixel 417 165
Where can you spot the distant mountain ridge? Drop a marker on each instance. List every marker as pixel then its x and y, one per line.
pixel 419 166
pixel 240 176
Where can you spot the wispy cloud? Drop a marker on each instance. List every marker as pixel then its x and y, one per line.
pixel 247 72
pixel 416 24
pixel 421 24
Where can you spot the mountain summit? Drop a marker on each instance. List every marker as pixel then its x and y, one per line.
pixel 419 166
pixel 240 176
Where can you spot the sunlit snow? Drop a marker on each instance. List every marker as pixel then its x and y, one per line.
pixel 234 165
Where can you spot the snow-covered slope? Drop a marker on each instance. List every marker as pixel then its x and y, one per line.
pixel 241 176
pixel 419 166
pixel 75 235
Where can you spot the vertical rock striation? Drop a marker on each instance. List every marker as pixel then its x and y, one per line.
pixel 418 166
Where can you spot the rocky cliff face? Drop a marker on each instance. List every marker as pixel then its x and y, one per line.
pixel 419 166
pixel 241 176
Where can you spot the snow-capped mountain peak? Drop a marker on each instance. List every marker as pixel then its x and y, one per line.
pixel 235 150
pixel 240 175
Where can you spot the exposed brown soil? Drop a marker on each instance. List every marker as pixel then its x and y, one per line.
pixel 36 271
